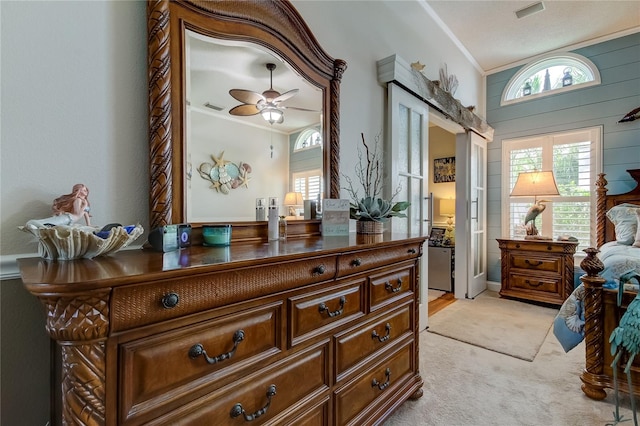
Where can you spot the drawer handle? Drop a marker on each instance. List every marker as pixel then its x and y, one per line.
pixel 237 409
pixel 323 307
pixel 534 264
pixel 384 338
pixel 532 284
pixel 319 270
pixel 382 386
pixel 356 262
pixel 170 300
pixel 411 251
pixel 197 349
pixel 393 289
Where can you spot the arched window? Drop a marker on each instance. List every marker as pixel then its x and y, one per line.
pixel 550 75
pixel 307 139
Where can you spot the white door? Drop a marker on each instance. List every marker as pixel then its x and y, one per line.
pixel 407 163
pixel 471 209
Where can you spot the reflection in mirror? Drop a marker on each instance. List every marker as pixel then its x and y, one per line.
pixel 269 26
pixel 234 155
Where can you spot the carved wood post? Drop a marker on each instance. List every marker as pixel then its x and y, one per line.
pixel 592 377
pixel 160 124
pixel 80 325
pixel 334 138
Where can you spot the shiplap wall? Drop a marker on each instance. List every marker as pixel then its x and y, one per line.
pixel 618 61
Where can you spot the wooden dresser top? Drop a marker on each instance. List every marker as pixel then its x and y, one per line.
pixel 130 266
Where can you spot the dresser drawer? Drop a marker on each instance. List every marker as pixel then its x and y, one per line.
pixel 137 305
pixel 372 387
pixel 537 283
pixel 535 262
pixel 355 346
pixel 321 311
pixel 185 361
pixel 390 285
pixel 275 390
pixel 366 260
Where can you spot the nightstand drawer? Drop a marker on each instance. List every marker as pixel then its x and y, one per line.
pixel 537 283
pixel 537 263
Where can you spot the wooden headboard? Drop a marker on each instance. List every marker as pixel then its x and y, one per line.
pixel 604 228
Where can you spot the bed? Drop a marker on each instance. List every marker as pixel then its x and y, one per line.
pixel 592 312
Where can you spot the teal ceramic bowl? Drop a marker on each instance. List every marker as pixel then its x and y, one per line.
pixel 216 235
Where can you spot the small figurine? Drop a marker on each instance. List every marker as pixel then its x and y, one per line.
pixel 67 209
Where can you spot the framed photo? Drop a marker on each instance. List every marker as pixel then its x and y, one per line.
pixel 444 170
pixel 437 236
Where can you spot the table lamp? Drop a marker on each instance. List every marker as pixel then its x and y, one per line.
pixel 448 209
pixel 536 183
pixel 293 200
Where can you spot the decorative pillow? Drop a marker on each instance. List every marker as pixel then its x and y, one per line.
pixel 636 243
pixel 624 218
pixel 568 325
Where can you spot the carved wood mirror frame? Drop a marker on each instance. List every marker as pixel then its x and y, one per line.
pixel 271 24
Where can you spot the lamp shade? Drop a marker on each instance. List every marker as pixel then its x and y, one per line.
pixel 272 115
pixel 447 207
pixel 534 184
pixel 293 199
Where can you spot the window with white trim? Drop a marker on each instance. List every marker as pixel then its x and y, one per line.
pixel 550 75
pixel 309 138
pixel 574 157
pixel 309 183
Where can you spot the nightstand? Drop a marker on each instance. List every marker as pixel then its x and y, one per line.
pixel 537 270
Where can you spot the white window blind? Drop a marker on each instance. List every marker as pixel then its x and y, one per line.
pixel 309 183
pixel 574 157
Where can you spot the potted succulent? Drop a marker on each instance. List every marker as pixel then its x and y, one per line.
pixel 371 210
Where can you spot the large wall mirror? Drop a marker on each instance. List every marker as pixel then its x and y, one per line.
pixel 209 64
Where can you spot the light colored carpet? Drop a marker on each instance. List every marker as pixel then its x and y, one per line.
pixel 434 294
pixel 465 385
pixel 506 326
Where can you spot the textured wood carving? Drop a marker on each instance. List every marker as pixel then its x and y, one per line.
pixel 601 206
pixel 80 325
pixel 160 150
pixel 594 337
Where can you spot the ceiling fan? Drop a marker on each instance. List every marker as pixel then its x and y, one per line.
pixel 267 103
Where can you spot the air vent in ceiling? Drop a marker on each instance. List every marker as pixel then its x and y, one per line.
pixel 214 107
pixel 530 10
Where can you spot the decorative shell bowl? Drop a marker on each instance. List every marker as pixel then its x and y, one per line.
pixel 74 242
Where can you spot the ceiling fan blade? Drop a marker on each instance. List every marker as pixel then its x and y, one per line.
pixel 285 96
pixel 246 96
pixel 245 109
pixel 298 109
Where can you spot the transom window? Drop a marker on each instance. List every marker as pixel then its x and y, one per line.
pixel 308 139
pixel 574 157
pixel 550 75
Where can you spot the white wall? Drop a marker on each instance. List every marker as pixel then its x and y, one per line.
pixel 74 110
pixel 361 33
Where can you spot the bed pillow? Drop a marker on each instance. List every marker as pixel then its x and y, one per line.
pixel 568 325
pixel 636 243
pixel 625 220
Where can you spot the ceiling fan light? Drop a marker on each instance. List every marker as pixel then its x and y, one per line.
pixel 272 115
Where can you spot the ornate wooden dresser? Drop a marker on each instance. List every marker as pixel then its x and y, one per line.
pixel 319 331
